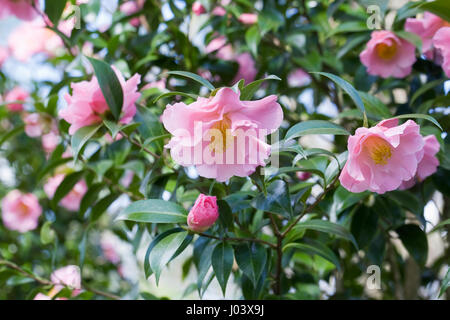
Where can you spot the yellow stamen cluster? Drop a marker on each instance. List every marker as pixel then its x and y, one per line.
pixel 385 51
pixel 379 150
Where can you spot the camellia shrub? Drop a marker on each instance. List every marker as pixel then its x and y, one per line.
pixel 241 149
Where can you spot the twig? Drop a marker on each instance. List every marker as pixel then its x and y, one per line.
pixel 46 282
pixel 138 144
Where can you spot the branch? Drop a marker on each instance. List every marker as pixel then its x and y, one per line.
pixel 44 281
pixel 138 144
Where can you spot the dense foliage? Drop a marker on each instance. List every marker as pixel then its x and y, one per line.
pixel 89 147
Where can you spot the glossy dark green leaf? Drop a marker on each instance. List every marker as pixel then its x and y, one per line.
pixel 54 9
pixel 364 225
pixel 251 259
pixel 438 7
pixel 315 127
pixel 82 136
pixel 222 262
pixel 66 186
pixel 154 211
pixel 415 241
pixel 110 86
pixel 315 247
pixel 195 77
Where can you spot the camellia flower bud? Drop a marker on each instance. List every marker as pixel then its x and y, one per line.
pixel 203 214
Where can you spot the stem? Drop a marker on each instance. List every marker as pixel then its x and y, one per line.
pixel 44 281
pixel 138 144
pixel 233 239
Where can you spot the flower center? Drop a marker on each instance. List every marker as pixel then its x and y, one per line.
pixel 379 150
pixel 220 135
pixel 385 51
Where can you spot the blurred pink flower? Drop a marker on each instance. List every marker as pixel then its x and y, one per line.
pixel 247 69
pixel 382 157
pixel 87 104
pixel 226 53
pixel 127 178
pixel 160 84
pixel 441 41
pixel 20 211
pixel 198 8
pixel 16 94
pixel 109 249
pixel 303 175
pixel 216 44
pixel 22 9
pixel 4 54
pixel 230 117
pixel 34 125
pixel 30 38
pixel 73 199
pixel 50 141
pixel 129 8
pixel 219 11
pixel 203 214
pixel 298 78
pixel 248 18
pixel 387 55
pixel 41 296
pixel 68 276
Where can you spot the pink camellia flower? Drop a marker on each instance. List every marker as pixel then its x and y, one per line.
pixel 33 37
pixel 198 8
pixel 247 69
pixel 212 133
pixel 382 157
pixel 429 163
pixel 387 55
pixel 73 199
pixel 303 175
pixel 203 214
pixel 426 28
pixel 215 44
pixel 16 94
pixel 248 18
pixel 298 78
pixel 50 141
pixel 441 42
pixel 87 104
pixel 160 84
pixel 41 296
pixel 4 54
pixel 219 11
pixel 20 211
pixel 109 249
pixel 129 8
pixel 33 125
pixel 69 277
pixel 22 9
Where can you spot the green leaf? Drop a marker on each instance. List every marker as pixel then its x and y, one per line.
pixel 110 86
pixel 89 198
pixel 164 250
pixel 82 136
pixel 147 269
pixel 154 211
pixel 101 206
pixel 364 225
pixel 439 7
pixel 249 90
pixel 315 247
pixel 347 87
pixel 424 88
pixel 252 38
pixel 277 199
pixel 315 127
pixel 440 225
pixel 415 241
pixel 411 38
pixel 195 77
pixel 47 233
pixel 445 283
pixel 251 259
pixel 225 214
pixel 66 186
pixel 175 93
pixel 419 116
pixel 343 199
pixel 113 127
pixel 54 9
pixel 327 227
pixel 222 262
pixel 374 106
